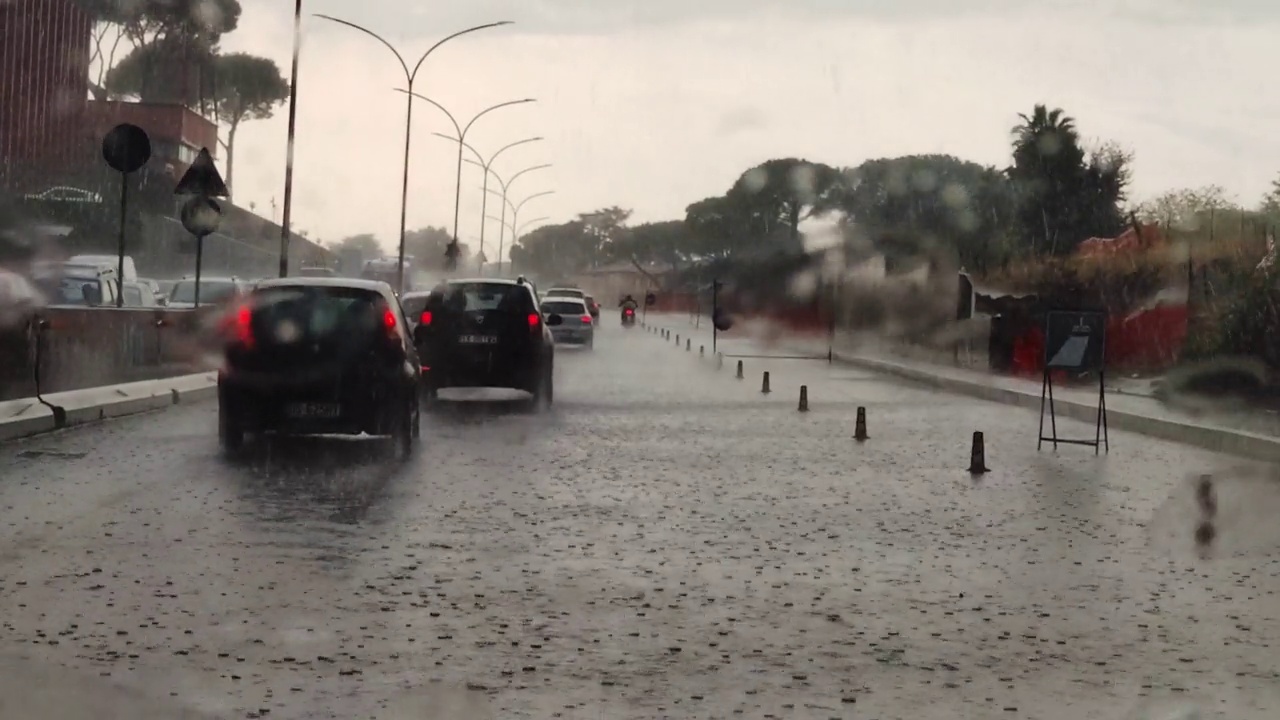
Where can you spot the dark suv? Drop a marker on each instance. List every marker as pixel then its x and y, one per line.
pixel 486 332
pixel 309 356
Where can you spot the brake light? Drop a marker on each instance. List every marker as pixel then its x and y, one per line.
pixel 243 327
pixel 586 319
pixel 534 319
pixel 238 327
pixel 389 324
pixel 629 311
pixel 426 318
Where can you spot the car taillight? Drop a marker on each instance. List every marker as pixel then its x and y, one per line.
pixel 243 326
pixel 426 318
pixel 534 320
pixel 389 325
pixel 586 319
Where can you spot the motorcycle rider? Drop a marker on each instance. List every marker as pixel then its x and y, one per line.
pixel 628 303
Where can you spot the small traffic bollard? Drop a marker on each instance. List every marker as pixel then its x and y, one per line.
pixel 702 350
pixel 677 340
pixel 978 455
pixel 860 425
pixel 740 375
pixel 1207 499
pixel 804 398
pixel 719 361
pixel 764 384
pixel 688 345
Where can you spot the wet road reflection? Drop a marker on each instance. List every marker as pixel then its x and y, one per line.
pixel 665 542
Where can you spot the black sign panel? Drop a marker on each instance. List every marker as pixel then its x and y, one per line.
pixel 964 305
pixel 1075 341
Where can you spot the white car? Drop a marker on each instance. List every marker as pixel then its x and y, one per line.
pixel 578 327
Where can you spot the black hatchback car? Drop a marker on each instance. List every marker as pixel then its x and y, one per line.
pixel 311 356
pixel 489 333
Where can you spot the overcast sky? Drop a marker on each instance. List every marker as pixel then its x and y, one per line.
pixel 654 104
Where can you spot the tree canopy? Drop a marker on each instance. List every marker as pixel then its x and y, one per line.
pixel 908 206
pixel 237 87
pixel 146 21
pixel 1055 193
pixel 1271 200
pixel 1064 195
pixel 245 87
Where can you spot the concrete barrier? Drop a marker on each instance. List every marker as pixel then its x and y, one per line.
pixel 64 349
pixel 31 416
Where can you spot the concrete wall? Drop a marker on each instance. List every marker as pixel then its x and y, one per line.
pixel 75 348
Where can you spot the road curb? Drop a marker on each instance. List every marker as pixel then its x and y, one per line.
pixel 1208 437
pixel 30 416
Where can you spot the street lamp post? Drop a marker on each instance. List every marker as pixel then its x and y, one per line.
pixel 410 75
pixel 462 137
pixel 506 187
pixel 293 124
pixel 487 166
pixel 516 232
pixel 515 216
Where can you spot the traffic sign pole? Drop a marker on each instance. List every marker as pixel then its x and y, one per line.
pixel 126 148
pixel 201 215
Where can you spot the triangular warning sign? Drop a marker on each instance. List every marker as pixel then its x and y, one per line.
pixel 202 178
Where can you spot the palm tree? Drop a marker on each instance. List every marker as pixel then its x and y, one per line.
pixel 1043 136
pixel 1048 176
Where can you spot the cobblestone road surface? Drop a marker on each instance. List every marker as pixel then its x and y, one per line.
pixel 667 542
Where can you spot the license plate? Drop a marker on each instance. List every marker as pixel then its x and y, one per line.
pixel 478 339
pixel 313 411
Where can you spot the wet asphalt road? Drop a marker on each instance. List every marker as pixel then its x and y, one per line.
pixel 667 542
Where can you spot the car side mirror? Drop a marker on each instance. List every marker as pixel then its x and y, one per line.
pixel 554 319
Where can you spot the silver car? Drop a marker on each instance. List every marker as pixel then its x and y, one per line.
pixel 578 327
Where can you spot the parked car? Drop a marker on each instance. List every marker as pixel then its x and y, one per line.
pixel 213 291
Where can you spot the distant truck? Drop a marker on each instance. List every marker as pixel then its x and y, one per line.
pixel 387 269
pixel 98 261
pixel 350 262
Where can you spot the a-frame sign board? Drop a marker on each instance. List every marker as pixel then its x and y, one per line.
pixel 1075 342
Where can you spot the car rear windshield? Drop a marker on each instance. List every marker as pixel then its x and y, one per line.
pixel 563 308
pixel 211 291
pixel 472 297
pixel 561 292
pixel 413 306
pixel 320 311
